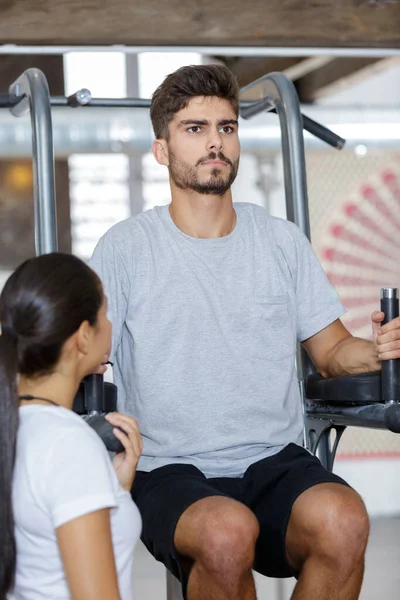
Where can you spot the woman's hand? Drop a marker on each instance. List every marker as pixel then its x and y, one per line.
pixel 125 463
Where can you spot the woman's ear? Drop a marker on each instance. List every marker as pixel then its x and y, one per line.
pixel 160 152
pixel 84 337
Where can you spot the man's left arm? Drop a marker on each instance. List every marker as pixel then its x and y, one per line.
pixel 334 351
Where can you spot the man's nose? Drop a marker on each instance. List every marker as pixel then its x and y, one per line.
pixel 215 142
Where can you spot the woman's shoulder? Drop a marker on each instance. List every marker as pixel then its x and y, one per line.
pixel 42 428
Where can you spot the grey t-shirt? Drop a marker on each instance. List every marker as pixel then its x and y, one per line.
pixel 204 335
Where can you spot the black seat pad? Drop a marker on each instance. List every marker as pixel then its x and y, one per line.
pixel 356 389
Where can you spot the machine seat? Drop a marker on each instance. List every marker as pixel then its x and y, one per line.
pixel 364 388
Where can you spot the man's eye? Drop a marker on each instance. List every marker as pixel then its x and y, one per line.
pixel 194 129
pixel 227 129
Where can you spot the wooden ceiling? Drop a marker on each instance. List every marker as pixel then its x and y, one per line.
pixel 338 23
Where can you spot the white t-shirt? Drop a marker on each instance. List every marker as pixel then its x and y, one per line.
pixel 63 471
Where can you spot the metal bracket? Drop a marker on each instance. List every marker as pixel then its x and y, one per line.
pixel 319 439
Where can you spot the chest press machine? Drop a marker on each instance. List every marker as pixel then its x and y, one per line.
pixel 369 400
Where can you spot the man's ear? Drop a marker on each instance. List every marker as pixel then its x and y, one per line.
pixel 160 151
pixel 84 337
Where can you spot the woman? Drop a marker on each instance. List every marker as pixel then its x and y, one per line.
pixel 68 524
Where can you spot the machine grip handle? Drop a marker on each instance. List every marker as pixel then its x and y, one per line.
pixel 105 430
pixel 390 368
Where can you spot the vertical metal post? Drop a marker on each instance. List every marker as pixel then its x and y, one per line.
pixel 281 94
pixel 31 94
pixel 135 162
pixel 174 590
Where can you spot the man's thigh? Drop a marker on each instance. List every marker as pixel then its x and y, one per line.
pixel 272 486
pixel 162 496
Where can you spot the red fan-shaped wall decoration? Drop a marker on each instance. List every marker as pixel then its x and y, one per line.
pixel 360 247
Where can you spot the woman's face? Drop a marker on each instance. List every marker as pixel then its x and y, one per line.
pixel 101 342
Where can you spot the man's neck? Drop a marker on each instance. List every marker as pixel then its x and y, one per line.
pixel 203 216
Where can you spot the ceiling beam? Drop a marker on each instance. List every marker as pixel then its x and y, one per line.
pixel 249 69
pixel 340 73
pixel 336 23
pixel 306 66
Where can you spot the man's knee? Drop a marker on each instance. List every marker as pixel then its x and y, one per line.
pixel 330 520
pixel 220 533
pixel 344 530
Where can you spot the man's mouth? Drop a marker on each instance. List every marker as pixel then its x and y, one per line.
pixel 215 162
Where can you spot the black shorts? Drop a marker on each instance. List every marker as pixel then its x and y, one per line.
pixel 269 488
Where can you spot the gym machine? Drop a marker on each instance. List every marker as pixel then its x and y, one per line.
pixel 368 400
pixel 330 405
pixel 30 93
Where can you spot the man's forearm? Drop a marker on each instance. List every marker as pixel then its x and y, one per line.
pixel 352 356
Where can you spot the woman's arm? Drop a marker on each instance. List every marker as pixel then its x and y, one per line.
pixel 85 542
pixel 87 554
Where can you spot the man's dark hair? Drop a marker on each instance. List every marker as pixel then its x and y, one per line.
pixel 186 83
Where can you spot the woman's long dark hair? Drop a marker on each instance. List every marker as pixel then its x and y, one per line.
pixel 42 304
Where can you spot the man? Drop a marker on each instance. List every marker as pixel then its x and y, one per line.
pixel 207 301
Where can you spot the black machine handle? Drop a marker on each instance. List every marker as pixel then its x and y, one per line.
pixel 105 430
pixel 93 399
pixel 250 109
pixel 390 368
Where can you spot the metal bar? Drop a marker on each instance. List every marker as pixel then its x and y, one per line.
pixel 135 183
pixel 128 130
pixel 390 374
pixel 319 440
pixel 248 109
pixel 323 451
pixel 295 51
pixel 32 85
pixel 282 94
pixel 280 589
pixel 279 89
pixel 105 102
pixel 251 109
pixel 374 416
pixel 6 101
pixel 174 589
pixel 323 133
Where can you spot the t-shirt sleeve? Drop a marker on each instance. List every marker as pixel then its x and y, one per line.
pixel 76 479
pixel 108 263
pixel 317 302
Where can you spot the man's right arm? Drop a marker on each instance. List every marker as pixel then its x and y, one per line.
pixel 109 265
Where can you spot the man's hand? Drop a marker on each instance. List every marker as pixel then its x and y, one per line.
pixel 386 337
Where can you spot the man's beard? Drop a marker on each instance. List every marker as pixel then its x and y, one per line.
pixel 185 176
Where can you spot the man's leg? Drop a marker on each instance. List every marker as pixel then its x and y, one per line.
pixel 312 525
pixel 201 534
pixel 326 540
pixel 218 535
